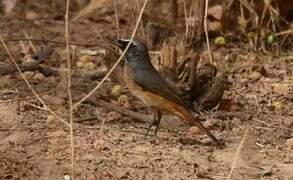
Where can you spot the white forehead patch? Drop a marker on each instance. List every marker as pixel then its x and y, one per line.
pixel 128 40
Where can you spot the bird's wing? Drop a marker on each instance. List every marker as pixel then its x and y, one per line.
pixel 150 80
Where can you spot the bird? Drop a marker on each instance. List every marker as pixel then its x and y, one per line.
pixel 145 83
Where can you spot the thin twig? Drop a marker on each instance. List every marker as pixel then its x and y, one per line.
pixel 238 153
pixel 67 36
pixel 30 42
pixel 12 59
pixel 186 20
pixel 97 44
pixel 206 31
pixel 116 18
pixel 118 61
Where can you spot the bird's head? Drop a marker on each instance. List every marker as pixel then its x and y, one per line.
pixel 137 52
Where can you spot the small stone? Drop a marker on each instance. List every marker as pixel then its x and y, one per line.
pixel 66 177
pixel 50 119
pixel 254 76
pixel 278 105
pixel 289 143
pixel 194 130
pixel 31 15
pixel 209 124
pixel 112 116
pixel 99 145
pixel 79 64
pixel 28 74
pixel 39 77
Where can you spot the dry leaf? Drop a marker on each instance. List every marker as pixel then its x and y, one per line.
pixel 8 5
pixel 117 90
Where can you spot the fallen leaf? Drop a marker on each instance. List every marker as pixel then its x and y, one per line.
pixel 220 40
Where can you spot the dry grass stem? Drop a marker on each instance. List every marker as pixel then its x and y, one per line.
pixel 119 59
pixel 116 18
pixel 67 36
pixel 206 31
pixel 237 154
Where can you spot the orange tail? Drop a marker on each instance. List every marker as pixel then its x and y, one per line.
pixel 189 118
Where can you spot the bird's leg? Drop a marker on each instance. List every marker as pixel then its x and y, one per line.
pixel 156 122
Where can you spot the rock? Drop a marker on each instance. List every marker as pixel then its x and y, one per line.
pixel 278 105
pixel 194 130
pixel 99 145
pixel 50 119
pixel 113 115
pixel 289 143
pixel 28 74
pixel 79 64
pixel 39 77
pixel 209 124
pixel 254 76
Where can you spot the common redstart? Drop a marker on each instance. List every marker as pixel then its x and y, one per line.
pixel 149 86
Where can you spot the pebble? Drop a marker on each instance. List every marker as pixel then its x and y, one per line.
pixel 289 143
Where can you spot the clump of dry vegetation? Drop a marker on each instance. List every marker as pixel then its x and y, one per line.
pixel 65 111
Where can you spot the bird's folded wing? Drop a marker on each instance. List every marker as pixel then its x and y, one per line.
pixel 150 80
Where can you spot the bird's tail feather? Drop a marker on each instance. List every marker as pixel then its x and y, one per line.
pixel 191 120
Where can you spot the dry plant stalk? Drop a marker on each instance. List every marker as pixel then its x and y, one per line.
pixel 116 18
pixel 67 37
pixel 119 59
pixel 193 21
pixel 206 32
pixel 238 153
pixel 168 55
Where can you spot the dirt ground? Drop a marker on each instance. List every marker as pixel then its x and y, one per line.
pixel 34 145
